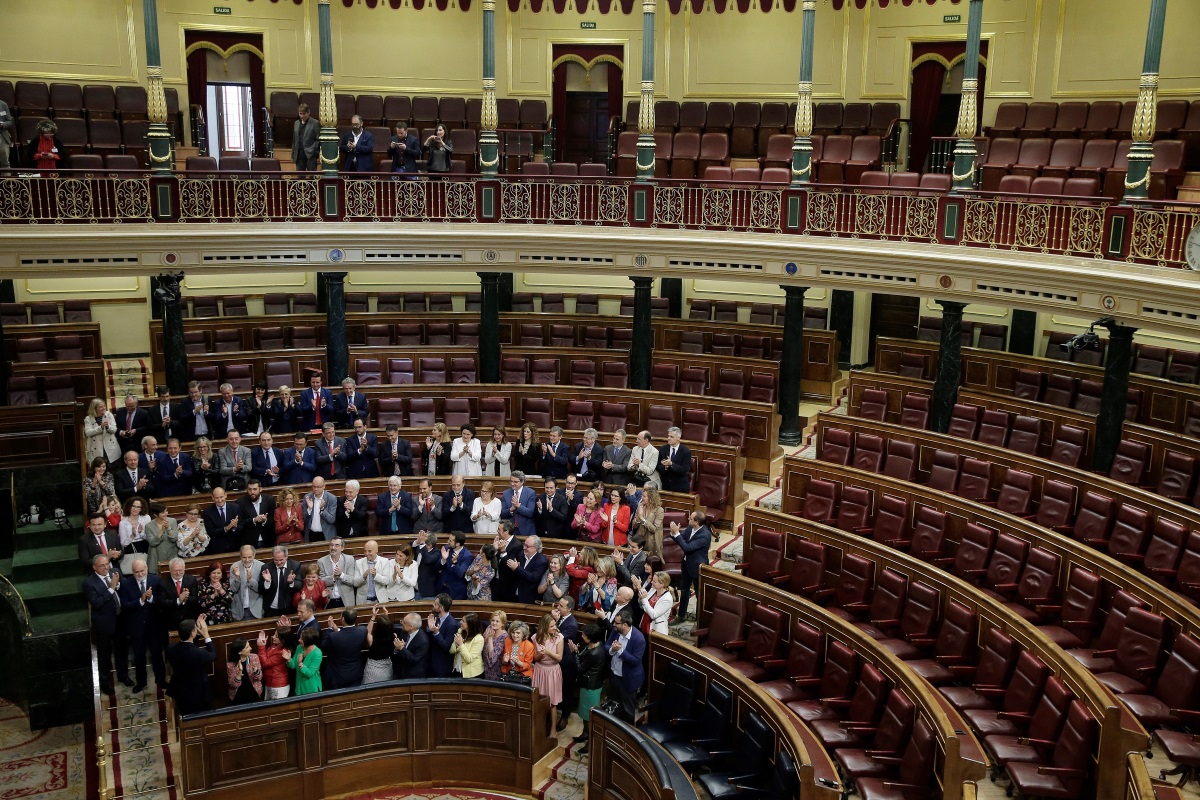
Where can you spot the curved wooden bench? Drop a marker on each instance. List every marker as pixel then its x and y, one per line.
pixel 960 758
pixel 446 732
pixel 1120 732
pixel 623 764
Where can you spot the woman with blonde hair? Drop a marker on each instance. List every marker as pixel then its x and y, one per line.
pixel 589 518
pixel 547 666
pixel 100 433
pixel 495 637
pixel 485 511
pixel 206 472
pixel 437 451
pixel 649 520
pixel 604 584
pixel 289 521
pixel 657 601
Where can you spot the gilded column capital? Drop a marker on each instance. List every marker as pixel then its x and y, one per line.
pixel 1145 117
pixel 809 5
pixel 649 6
pixel 489 5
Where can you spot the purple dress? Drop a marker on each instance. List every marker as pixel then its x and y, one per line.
pixel 493 657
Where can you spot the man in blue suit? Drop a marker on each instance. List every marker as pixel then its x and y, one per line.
pixel 175 479
pixel 395 454
pixel 316 405
pixel 226 413
pixel 343 646
pixel 675 464
pixel 556 455
pixel 100 589
pixel 625 646
pixel 361 450
pixel 189 666
pixel 587 460
pixel 267 461
pixel 694 541
pixel 155 462
pixel 299 461
pixel 519 504
pixel 456 560
pixel 139 613
pixel 358 146
pixel 441 627
pixel 394 509
pixel 350 405
pixel 457 503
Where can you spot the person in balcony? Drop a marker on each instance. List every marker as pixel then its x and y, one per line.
pixel 46 151
pixel 405 148
pixel 306 145
pixel 438 150
pixel 358 146
pixel 6 125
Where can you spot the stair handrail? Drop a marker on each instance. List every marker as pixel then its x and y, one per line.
pixel 104 791
pixel 9 592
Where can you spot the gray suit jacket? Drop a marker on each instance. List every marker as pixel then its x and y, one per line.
pixel 427 521
pixel 6 123
pixel 619 474
pixel 327 511
pixel 345 584
pixel 306 141
pixel 226 461
pixel 251 582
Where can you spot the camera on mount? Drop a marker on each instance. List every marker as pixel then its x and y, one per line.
pixel 1089 339
pixel 167 291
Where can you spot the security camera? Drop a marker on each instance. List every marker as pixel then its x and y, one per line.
pixel 1089 339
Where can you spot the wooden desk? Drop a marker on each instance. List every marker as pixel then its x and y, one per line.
pixel 960 757
pixel 88 333
pixel 46 433
pixel 439 733
pixel 624 764
pixel 87 375
pixel 1120 732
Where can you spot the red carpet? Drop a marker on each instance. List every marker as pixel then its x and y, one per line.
pixel 401 793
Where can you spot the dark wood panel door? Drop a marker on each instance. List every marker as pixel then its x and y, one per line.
pixel 893 315
pixel 585 128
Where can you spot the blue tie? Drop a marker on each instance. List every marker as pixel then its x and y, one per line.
pixel 393 515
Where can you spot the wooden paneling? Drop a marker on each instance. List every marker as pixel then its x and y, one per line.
pixel 47 433
pixel 88 333
pixel 623 764
pixel 87 375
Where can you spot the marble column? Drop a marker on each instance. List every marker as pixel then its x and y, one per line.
pixel 672 289
pixel 489 142
pixel 1114 396
pixel 489 327
pixel 328 107
pixel 645 143
pixel 1022 332
pixel 791 365
pixel 1137 179
pixel 841 321
pixel 642 351
pixel 965 154
pixel 802 147
pixel 949 372
pixel 170 298
pixel 159 143
pixel 337 351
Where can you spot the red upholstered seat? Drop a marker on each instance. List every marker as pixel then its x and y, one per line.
pixel 581 414
pixel 974 552
pixel 839 679
pixel 854 510
pixel 493 411
pixel 901 462
pixel 956 646
pixel 1069 445
pixel 993 428
pixel 803 665
pixel 462 370
pixel 368 372
pixel 1044 726
pixel 614 374
pixel 731 430
pixel 836 446
pixel 659 419
pixel 866 708
pixel 891 525
pixel 695 424
pixel 928 533
pixel 1021 696
pixel 1015 495
pixel 964 420
pixel 1026 435
pixel 664 377
pixel 1130 462
pixel 1138 653
pixel 944 471
pixel 766 556
pixel 433 370
pixel 975 480
pixel 1078 617
pixel 997 660
pixel 1177 688
pixel 1098 657
pixel 764 635
pixel 918 623
pixel 421 412
pixel 543 372
pixel 713 487
pixel 914 411
pixel 873 405
pixel 821 501
pixel 456 412
pixel 726 627
pixel 537 411
pixel 693 380
pixel 583 373
pixel 613 417
pixel 401 371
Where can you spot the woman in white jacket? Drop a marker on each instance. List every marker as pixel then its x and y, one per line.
pixel 485 512
pixel 497 453
pixel 465 454
pixel 100 433
pixel 657 601
pixel 404 576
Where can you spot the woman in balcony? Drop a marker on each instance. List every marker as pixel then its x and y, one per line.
pixel 485 511
pixel 497 454
pixel 437 451
pixel 245 674
pixel 98 487
pixel 438 150
pixel 133 526
pixel 216 601
pixel 193 539
pixel 162 536
pixel 465 454
pixel 206 474
pixel 46 152
pixel 649 520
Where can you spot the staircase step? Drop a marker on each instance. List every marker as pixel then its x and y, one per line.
pixel 6 567
pixel 53 595
pixel 570 771
pixel 35 563
pixel 60 622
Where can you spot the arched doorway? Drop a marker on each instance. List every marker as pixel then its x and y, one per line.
pixel 227 87
pixel 588 88
pixel 935 95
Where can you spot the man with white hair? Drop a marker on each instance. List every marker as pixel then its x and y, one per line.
pixel 100 589
pixel 243 585
pixel 350 405
pixel 320 512
pixel 675 463
pixel 587 460
pixel 373 573
pixel 139 614
pixel 352 512
pixel 278 582
pixel 225 412
pixel 179 599
pixel 394 508
pixel 338 570
pixel 527 570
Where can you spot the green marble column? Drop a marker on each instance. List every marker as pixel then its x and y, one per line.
pixel 791 365
pixel 489 142
pixel 1114 396
pixel 968 109
pixel 949 373
pixel 642 351
pixel 159 143
pixel 1137 179
pixel 645 143
pixel 328 108
pixel 489 327
pixel 802 147
pixel 170 298
pixel 337 351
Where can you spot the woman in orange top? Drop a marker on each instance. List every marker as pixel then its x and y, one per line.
pixel 289 522
pixel 618 519
pixel 519 652
pixel 313 589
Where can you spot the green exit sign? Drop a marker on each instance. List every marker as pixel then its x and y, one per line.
pixel 952 18
pixel 223 10
pixel 588 26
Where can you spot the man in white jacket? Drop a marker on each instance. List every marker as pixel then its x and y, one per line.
pixel 372 575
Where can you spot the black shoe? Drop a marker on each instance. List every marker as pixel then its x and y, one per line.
pixel 583 751
pixel 127 682
pixel 107 688
pixel 561 726
pixel 141 687
pixel 581 738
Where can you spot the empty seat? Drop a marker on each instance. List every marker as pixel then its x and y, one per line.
pixel 868 452
pixel 901 461
pixel 401 371
pixel 762 388
pixel 514 370
pixel 695 424
pixel 583 373
pixel 614 374
pixel 613 417
pixel 664 377
pixel 1150 361
pixel 433 370
pixel 836 446
pixel 914 411
pixel 421 412
pixel 493 412
pixel 659 419
pixel 1130 462
pixel 731 384
pixel 462 370
pixel 693 380
pixel 544 371
pixel 68 348
pixel 1069 445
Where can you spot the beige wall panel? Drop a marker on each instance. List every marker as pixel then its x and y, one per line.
pixel 123 326
pixel 427 281
pixel 35 289
pixel 731 290
pixel 70 40
pixel 574 282
pixel 249 282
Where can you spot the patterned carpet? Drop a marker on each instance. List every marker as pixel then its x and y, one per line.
pixel 401 793
pixel 58 764
pixel 142 764
pixel 127 376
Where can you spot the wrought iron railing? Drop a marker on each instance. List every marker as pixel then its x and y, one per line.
pixel 1144 232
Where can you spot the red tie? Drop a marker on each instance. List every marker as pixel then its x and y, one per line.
pixel 317 407
pixel 129 421
pixel 100 543
pixel 332 463
pixel 178 588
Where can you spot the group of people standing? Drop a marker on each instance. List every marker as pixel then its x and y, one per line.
pixel 357 147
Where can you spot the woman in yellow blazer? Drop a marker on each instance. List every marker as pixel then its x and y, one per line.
pixel 468 647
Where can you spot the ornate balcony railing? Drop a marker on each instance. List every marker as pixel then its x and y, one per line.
pixel 1144 232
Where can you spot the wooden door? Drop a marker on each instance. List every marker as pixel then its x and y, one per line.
pixel 893 315
pixel 585 127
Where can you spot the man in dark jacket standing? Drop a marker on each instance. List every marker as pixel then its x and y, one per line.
pixel 410 661
pixel 189 667
pixel 343 648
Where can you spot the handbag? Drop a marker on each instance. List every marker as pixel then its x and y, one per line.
pixel 517 678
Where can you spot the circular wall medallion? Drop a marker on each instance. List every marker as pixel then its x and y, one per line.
pixel 1109 302
pixel 337 255
pixel 790 268
pixel 491 256
pixel 170 259
pixel 640 260
pixel 945 281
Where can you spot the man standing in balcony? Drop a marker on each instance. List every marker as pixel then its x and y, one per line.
pixel 6 124
pixel 306 147
pixel 358 145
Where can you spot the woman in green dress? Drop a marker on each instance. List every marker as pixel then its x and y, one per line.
pixel 307 662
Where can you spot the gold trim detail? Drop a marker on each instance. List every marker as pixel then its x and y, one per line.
pixel 242 47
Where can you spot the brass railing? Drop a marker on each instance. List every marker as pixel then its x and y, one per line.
pixel 1070 226
pixel 1160 233
pixel 865 213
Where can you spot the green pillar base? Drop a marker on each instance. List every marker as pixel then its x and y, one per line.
pixel 160 148
pixel 489 154
pixel 802 165
pixel 645 158
pixel 330 157
pixel 1137 178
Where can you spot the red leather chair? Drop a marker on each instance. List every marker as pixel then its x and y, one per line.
pixel 400 371
pixel 919 622
pixel 658 420
pixel 596 337
pixel 1175 692
pixel 368 372
pixel 1185 365
pixel 1028 384
pixel 1177 476
pixel 583 373
pixel 22 390
pixel 964 420
pixel 914 411
pixel 531 335
pixel 1020 698
pixel 1007 561
pixel 839 678
pixel 766 556
pixel 754 347
pixel 714 488
pixel 836 446
pixel 1044 727
pixel 421 412
pixel 1015 495
pixel 731 384
pixel 376 336
pixel 975 480
pixel 1071 760
pixel 68 348
pixel 873 405
pixel 836 151
pixel 993 428
pixel 865 709
pixel 912 365
pixel 762 388
pixel 973 553
pixel 726 628
pixel 227 340
pixel 693 380
pixel 929 329
pixel 1026 435
pixel 409 334
pixel 854 509
pixel 821 501
pixel 456 412
pixel 695 424
pixel 854 587
pixel 544 372
pixel 1130 462
pixel 891 526
pixel 1191 419
pixel 439 333
pixel 1087 399
pixel 955 646
pixel 808 571
pixel 1093 522
pixel 1037 586
pixel 1097 658
pixel 764 635
pixel 664 377
pixel 802 668
pixel 691 342
pixel 731 430
pixel 1068 446
pixel 462 370
pixel 562 336
pixel 1002 156
pixel 944 471
pixel 581 414
pixel 55 388
pixel 279 373
pixel 901 462
pixel 1078 616
pixel 1165 550
pixel 14 314
pixel 537 411
pixel 303 336
pixel 433 370
pixel 1150 361
pixel 997 660
pixel 613 417
pixel 928 533
pixel 493 412
pixel 587 304
pixel 886 606
pixel 614 374
pixel 1137 654
pixel 1130 532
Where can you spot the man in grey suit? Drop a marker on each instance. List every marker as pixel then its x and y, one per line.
pixel 6 127
pixel 320 513
pixel 234 461
pixel 306 148
pixel 338 570
pixel 244 576
pixel 616 460
pixel 331 453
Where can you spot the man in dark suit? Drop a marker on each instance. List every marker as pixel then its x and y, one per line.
pixel 316 404
pixel 405 149
pixel 616 460
pixel 256 517
pixel 527 570
pixel 457 502
pixel 331 454
pixel 100 589
pixel 675 464
pixel 132 424
pixel 504 584
pixel 193 415
pixel 164 416
pixel 349 405
pixel 267 461
pixel 299 461
pixel 155 462
pixel 343 646
pixel 395 454
pixel 306 613
pixel 624 600
pixel 361 450
pixel 573 496
pixel 633 565
pixel 410 661
pixel 394 509
pixel 189 667
pixel 456 560
pixel 556 455
pixel 221 521
pixel 626 646
pixel 131 479
pixel 552 514
pixel 441 627
pixel 427 509
pixel 587 459
pixel 99 542
pixel 564 613
pixel 519 504
pixel 226 413
pixel 175 480
pixel 429 568
pixel 306 144
pixel 694 541
pixel 358 146
pixel 139 612
pixel 352 512
pixel 177 597
pixel 278 581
